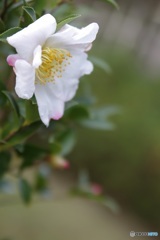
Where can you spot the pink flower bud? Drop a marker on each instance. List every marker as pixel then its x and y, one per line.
pixel 60 162
pixel 96 189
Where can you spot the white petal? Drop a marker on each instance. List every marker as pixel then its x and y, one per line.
pixel 49 106
pixel 66 87
pixel 37 61
pixel 72 36
pixel 25 79
pixel 26 40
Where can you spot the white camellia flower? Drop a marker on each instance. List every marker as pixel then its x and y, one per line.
pixel 49 64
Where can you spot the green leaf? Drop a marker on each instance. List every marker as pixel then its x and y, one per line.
pixel 67 140
pixel 77 112
pixel 32 114
pixel 8 33
pixel 30 11
pixel 30 155
pixel 113 2
pixel 25 190
pixel 21 135
pixel 5 159
pixel 67 20
pixel 2 26
pixel 28 16
pixel 101 64
pixel 13 103
pixel 17 5
pixel 97 124
pixel 98 118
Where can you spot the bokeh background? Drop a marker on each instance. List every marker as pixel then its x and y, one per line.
pixel 125 160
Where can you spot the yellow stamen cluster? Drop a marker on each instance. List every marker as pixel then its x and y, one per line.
pixel 54 62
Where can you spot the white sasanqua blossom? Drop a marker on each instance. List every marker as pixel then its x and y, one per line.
pixel 49 64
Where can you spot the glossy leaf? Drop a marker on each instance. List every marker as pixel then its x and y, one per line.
pixel 67 20
pixel 8 33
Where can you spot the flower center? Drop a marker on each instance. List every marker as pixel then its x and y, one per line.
pixel 54 62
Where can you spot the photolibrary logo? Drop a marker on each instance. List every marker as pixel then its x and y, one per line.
pixel 140 234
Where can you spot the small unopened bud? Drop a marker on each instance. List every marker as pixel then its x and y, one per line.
pixel 96 189
pixel 59 162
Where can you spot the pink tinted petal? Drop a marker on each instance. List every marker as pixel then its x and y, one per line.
pixel 26 40
pixel 11 59
pixel 49 106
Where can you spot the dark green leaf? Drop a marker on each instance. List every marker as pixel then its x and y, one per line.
pixel 30 11
pixel 2 26
pixel 12 102
pixel 22 135
pixel 30 155
pixel 77 112
pixel 67 20
pixel 28 16
pixel 25 190
pixel 8 33
pixel 5 159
